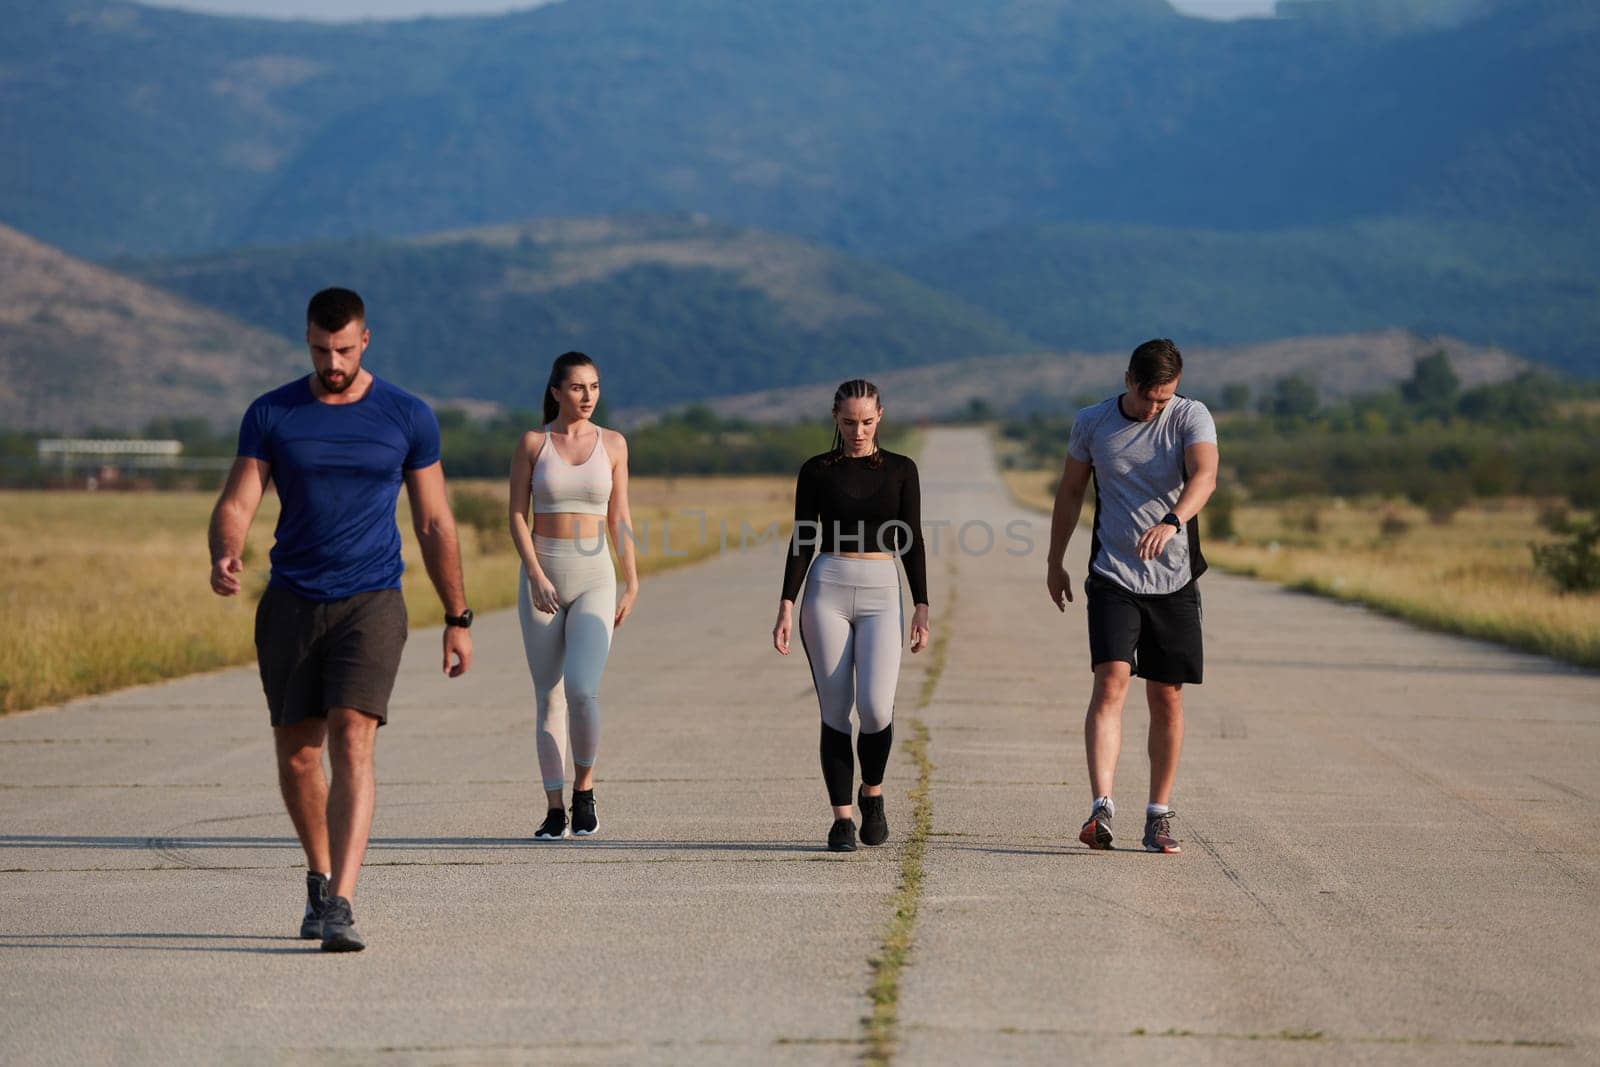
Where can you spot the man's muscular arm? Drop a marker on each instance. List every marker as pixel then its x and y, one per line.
pixel 230 521
pixel 441 555
pixel 1200 467
pixel 1063 520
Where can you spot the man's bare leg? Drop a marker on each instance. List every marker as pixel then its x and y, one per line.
pixel 305 787
pixel 1102 726
pixel 352 736
pixel 1102 741
pixel 1166 737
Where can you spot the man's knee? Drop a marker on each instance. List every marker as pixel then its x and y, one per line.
pixel 299 748
pixel 1166 701
pixel 299 763
pixel 351 736
pixel 1111 681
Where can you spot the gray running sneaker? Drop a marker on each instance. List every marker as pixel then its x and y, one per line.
pixel 339 927
pixel 1158 833
pixel 1096 832
pixel 316 902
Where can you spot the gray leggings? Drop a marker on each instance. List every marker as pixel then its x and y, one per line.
pixel 571 647
pixel 852 623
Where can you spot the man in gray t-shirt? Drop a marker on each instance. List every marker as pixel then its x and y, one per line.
pixel 1153 457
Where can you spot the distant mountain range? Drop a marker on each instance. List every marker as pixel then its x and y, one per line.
pixel 692 308
pixel 1088 286
pixel 1057 383
pixel 878 126
pixel 82 347
pixel 771 193
pixel 672 308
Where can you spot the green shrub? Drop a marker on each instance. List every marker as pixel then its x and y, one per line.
pixel 484 513
pixel 1556 517
pixel 1442 503
pixel 1303 518
pixel 1393 526
pixel 1573 564
pixel 1218 514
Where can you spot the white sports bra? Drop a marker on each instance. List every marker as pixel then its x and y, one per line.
pixel 559 486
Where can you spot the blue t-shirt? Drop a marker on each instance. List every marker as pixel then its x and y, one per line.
pixel 338 469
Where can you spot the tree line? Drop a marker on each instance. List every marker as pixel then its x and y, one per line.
pixel 1427 440
pixel 693 441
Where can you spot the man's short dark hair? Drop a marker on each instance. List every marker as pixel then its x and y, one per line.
pixel 1155 363
pixel 334 309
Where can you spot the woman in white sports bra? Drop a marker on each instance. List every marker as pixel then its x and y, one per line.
pixel 575 477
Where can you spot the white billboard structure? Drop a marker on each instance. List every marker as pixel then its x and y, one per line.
pixel 111 455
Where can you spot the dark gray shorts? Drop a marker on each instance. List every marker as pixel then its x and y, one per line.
pixel 1158 635
pixel 318 655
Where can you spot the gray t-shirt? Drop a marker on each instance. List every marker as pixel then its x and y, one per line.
pixel 1138 477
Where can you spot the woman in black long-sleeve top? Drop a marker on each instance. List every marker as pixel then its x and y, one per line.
pixel 858 508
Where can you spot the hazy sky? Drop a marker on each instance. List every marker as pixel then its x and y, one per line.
pixel 355 9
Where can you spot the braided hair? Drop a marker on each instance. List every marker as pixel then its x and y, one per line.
pixel 855 389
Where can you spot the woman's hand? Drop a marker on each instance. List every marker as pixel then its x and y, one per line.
pixel 780 631
pixel 625 604
pixel 543 593
pixel 919 628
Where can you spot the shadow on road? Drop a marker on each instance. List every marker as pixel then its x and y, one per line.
pixel 276 946
pixel 186 843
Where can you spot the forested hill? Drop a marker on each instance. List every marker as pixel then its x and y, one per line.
pixel 1065 173
pixel 674 308
pixel 1533 289
pixel 82 347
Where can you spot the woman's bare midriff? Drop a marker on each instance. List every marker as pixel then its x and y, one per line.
pixel 568 525
pixel 862 555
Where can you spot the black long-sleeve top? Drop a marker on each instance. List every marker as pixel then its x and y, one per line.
pixel 850 504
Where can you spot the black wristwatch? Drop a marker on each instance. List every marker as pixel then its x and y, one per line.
pixel 464 620
pixel 1169 518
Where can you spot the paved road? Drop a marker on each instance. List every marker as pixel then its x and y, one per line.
pixel 1389 852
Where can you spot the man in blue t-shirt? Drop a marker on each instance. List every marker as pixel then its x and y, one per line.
pixel 1153 455
pixel 331 624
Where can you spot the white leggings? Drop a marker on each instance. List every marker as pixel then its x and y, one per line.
pixel 569 646
pixel 852 623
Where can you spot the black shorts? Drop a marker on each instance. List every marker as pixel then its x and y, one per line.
pixel 317 655
pixel 1158 635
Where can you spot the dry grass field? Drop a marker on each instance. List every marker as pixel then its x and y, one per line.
pixel 1472 574
pixel 106 590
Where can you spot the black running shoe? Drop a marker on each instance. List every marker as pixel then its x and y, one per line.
pixel 316 903
pixel 339 927
pixel 1096 832
pixel 584 820
pixel 1158 835
pixel 842 836
pixel 554 827
pixel 874 824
